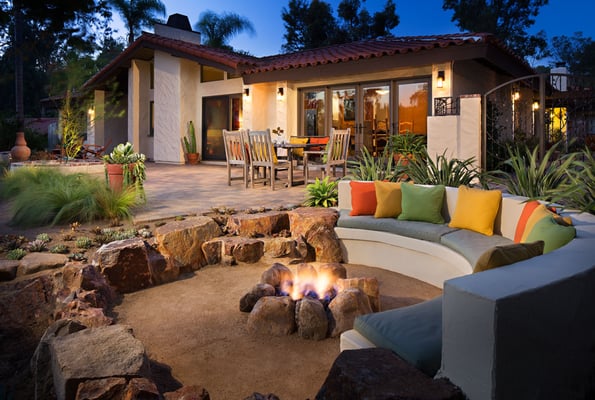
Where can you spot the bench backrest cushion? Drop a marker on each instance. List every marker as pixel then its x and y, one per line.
pixel 422 203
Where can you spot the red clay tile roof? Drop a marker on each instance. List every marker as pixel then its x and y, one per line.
pixel 247 65
pixel 367 49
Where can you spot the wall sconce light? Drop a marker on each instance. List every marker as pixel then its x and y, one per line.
pixel 247 92
pixel 535 105
pixel 280 92
pixel 440 80
pixel 516 94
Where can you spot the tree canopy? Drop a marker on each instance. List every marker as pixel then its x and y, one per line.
pixel 506 19
pixel 309 25
pixel 138 14
pixel 217 30
pixel 576 52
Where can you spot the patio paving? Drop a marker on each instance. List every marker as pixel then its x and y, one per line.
pixel 192 189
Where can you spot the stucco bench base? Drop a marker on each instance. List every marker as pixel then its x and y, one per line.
pixel 378 373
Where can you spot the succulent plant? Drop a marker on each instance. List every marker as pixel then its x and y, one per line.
pixel 59 249
pixel 36 246
pixel 43 237
pixel 16 254
pixel 77 257
pixel 84 242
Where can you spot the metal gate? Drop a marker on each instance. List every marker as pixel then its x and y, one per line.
pixel 538 110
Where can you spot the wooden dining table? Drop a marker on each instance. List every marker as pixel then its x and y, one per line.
pixel 289 147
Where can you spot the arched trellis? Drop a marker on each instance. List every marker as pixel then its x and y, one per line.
pixel 537 110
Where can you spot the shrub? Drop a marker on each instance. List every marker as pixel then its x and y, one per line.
pixel 36 246
pixel 322 193
pixel 44 237
pixel 42 196
pixel 83 242
pixel 59 249
pixel 369 168
pixel 579 191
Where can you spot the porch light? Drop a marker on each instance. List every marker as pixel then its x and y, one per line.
pixel 516 94
pixel 535 106
pixel 440 80
pixel 247 92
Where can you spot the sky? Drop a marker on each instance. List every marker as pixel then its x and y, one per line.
pixel 421 17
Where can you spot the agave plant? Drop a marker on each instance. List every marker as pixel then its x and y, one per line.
pixel 579 192
pixel 532 178
pixel 322 193
pixel 443 171
pixel 370 168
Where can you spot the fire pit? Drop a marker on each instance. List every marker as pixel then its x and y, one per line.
pixel 314 302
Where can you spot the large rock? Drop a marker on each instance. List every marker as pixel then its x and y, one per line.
pixel 278 276
pixel 249 300
pixel 343 309
pixel 326 244
pixel 99 389
pixel 369 286
pixel 162 270
pixel 35 262
pixel 181 241
pixel 260 224
pixel 125 263
pixel 95 353
pixel 311 319
pixel 213 251
pixel 303 219
pixel 380 374
pixel 8 269
pixel 281 247
pixel 272 316
pixel 243 249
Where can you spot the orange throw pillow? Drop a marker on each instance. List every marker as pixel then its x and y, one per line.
pixel 322 140
pixel 363 198
pixel 522 222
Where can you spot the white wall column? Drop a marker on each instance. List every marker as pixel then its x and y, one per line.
pixel 134 79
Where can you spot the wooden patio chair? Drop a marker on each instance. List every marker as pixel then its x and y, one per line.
pixel 262 155
pixel 335 155
pixel 236 154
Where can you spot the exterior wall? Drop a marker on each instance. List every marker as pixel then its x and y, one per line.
pixel 472 77
pixel 167 146
pixel 458 136
pixel 139 97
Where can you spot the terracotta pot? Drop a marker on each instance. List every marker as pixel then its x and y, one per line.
pixel 193 158
pixel 115 176
pixel 20 151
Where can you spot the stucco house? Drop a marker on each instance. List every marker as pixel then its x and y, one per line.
pixel 426 84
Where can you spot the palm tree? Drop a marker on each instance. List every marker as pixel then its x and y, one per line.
pixel 217 30
pixel 138 14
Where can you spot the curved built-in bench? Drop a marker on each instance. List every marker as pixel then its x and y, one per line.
pixel 524 331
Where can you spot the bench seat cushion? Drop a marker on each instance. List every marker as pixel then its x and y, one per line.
pixel 472 245
pixel 413 332
pixel 413 229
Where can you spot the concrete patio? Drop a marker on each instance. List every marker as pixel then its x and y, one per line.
pixel 190 189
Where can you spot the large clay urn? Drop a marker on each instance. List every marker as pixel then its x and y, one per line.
pixel 20 151
pixel 115 176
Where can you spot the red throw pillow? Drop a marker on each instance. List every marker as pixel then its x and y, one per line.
pixel 522 222
pixel 363 198
pixel 323 140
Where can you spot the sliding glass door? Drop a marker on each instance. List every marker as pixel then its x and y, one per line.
pixel 219 112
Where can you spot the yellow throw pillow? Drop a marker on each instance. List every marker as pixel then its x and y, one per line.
pixel 298 140
pixel 388 199
pixel 508 254
pixel 476 210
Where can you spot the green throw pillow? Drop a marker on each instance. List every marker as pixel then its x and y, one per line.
pixel 508 254
pixel 422 203
pixel 553 234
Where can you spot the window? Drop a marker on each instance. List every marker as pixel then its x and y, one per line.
pixel 151 118
pixel 314 113
pixel 413 108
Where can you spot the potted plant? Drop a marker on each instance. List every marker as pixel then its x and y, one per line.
pixel 190 145
pixel 124 167
pixel 406 146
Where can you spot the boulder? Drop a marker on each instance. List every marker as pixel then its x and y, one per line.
pixel 125 263
pixel 343 309
pixel 161 268
pixel 243 249
pixel 35 262
pixel 181 241
pixel 141 389
pixel 212 251
pixel 95 353
pixel 8 269
pixel 280 247
pixel 325 242
pixel 272 316
pixel 99 389
pixel 248 301
pixel 276 275
pixel 260 224
pixel 303 219
pixel 377 373
pixel 311 319
pixel 369 286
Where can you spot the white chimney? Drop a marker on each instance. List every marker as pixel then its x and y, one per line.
pixel 178 27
